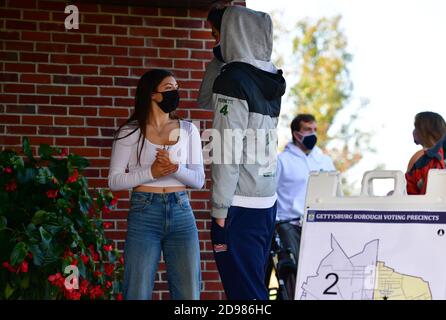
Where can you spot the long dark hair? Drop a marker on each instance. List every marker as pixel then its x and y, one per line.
pixel 147 84
pixel 430 127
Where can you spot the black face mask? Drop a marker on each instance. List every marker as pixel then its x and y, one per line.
pixel 217 53
pixel 170 102
pixel 309 141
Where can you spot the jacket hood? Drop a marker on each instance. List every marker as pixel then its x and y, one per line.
pixel 247 36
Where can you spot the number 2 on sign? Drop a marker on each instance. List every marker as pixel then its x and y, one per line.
pixel 333 284
pixel 224 110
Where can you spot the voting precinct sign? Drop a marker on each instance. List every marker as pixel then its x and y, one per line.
pixel 373 248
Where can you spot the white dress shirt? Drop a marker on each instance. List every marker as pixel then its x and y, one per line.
pixel 293 171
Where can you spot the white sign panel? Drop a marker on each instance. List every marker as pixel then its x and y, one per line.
pixel 373 248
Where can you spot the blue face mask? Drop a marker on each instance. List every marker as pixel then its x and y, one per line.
pixel 217 53
pixel 309 141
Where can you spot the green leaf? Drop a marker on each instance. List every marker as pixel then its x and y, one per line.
pixel 18 254
pixel 78 161
pixel 24 284
pixel 37 255
pixel 46 236
pixel 8 291
pixel 45 152
pixel 27 175
pixel 44 176
pixel 112 256
pixel 82 269
pixel 27 149
pixel 53 229
pixel 33 234
pixel 62 203
pixel 84 206
pixel 65 263
pixel 49 256
pixel 17 162
pixel 3 223
pixel 39 217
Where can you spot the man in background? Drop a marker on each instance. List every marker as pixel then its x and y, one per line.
pixel 300 157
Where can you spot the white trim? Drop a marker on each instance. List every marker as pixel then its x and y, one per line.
pixel 267 66
pixel 254 202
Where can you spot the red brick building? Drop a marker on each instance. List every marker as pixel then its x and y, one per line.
pixel 72 88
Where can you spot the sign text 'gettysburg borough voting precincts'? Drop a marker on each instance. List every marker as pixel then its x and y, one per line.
pixel 373 249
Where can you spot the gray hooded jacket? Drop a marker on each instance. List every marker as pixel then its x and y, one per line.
pixel 246 99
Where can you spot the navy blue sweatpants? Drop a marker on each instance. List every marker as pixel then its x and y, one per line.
pixel 241 251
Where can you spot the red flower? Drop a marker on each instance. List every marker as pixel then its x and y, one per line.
pixel 108 269
pixel 74 262
pixel 97 274
pixel 105 209
pixel 73 294
pixel 57 280
pixel 10 268
pixel 11 186
pixel 85 258
pixel 53 277
pixel 96 292
pixel 121 260
pixel 107 225
pixel 64 152
pixel 30 255
pixel 114 201
pixel 108 247
pixel 74 177
pixel 119 296
pixel 8 170
pixel 94 254
pixel 52 194
pixel 68 210
pixel 83 288
pixel 24 267
pixel 108 285
pixel 67 254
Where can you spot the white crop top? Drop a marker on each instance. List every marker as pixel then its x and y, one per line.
pixel 187 152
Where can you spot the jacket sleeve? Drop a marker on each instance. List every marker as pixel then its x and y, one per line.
pixel 122 149
pixel 192 173
pixel 205 93
pixel 230 123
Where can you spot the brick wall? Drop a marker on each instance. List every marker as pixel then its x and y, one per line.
pixel 72 88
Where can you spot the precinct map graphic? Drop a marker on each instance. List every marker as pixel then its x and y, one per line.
pixel 362 277
pixel 372 255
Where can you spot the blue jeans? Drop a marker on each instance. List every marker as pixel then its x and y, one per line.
pixel 161 222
